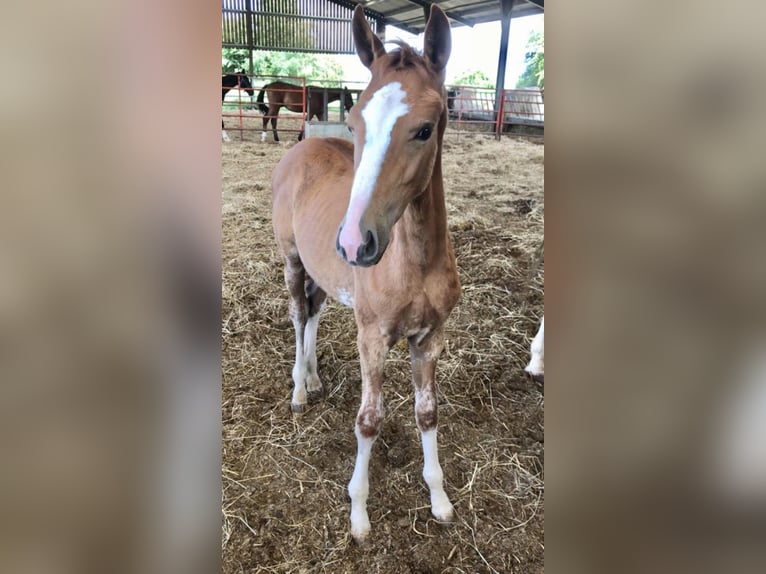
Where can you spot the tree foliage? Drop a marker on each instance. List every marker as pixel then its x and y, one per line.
pixel 475 78
pixel 534 72
pixel 233 60
pixel 314 67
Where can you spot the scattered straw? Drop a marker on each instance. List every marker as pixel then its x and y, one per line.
pixel 285 505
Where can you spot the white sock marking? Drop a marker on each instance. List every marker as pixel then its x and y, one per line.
pixel 380 115
pixel 359 488
pixel 299 375
pixel 737 459
pixel 441 507
pixel 263 136
pixel 225 136
pixel 313 382
pixel 536 364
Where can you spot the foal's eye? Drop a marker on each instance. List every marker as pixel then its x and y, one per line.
pixel 350 129
pixel 423 133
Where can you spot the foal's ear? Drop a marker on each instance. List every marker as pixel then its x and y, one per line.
pixel 368 45
pixel 437 41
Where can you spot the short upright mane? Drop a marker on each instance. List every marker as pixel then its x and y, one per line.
pixel 405 56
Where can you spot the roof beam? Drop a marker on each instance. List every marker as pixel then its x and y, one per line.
pixel 376 15
pixel 539 3
pixel 427 5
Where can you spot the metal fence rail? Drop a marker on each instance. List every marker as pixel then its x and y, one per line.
pixel 249 117
pixel 471 110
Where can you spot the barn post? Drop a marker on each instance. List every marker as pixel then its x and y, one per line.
pixel 250 39
pixel 505 24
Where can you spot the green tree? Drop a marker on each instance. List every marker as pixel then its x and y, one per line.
pixel 534 60
pixel 233 60
pixel 315 67
pixel 475 78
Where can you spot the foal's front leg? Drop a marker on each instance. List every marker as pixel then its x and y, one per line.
pixel 423 357
pixel 373 349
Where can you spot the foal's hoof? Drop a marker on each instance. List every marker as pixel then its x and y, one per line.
pixel 444 513
pixel 360 535
pixel 297 409
pixel 315 396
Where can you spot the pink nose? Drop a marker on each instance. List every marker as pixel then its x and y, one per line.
pixel 350 240
pixel 357 248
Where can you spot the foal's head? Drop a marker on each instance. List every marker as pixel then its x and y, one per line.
pixel 398 123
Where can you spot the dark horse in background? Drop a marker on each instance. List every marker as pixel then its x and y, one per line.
pixel 229 82
pixel 290 96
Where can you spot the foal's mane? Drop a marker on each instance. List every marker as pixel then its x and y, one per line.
pixel 405 56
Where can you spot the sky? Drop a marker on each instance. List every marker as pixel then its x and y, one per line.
pixel 472 49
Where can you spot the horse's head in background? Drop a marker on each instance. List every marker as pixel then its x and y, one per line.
pixel 244 83
pixel 238 80
pixel 398 124
pixel 348 101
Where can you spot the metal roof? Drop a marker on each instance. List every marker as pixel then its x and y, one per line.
pixel 324 25
pixel 410 15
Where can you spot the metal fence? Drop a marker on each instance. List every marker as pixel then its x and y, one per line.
pixel 242 115
pixel 471 110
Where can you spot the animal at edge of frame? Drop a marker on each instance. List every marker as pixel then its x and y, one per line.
pixel 370 230
pixel 536 365
pixel 238 81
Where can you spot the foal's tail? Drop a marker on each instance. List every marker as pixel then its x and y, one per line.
pixel 261 106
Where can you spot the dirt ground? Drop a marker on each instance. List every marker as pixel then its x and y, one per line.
pixel 285 503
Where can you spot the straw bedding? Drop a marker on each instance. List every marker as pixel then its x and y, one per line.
pixel 285 505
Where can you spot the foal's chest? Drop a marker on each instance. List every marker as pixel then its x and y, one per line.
pixel 411 308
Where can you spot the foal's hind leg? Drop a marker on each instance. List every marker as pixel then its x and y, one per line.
pixel 306 303
pixel 274 128
pixel 316 301
pixel 295 276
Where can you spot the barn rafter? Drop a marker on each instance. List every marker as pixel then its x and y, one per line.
pixel 323 25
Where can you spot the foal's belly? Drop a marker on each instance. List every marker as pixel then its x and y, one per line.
pixel 318 209
pixel 316 248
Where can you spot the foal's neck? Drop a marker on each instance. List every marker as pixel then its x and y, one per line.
pixel 421 232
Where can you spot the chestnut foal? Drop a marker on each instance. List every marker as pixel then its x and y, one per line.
pixel 380 204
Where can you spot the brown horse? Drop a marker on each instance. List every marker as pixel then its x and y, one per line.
pixel 380 204
pixel 290 96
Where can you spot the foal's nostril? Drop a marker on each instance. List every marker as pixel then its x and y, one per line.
pixel 369 250
pixel 340 250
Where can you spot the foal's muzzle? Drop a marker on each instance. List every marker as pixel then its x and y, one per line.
pixel 368 251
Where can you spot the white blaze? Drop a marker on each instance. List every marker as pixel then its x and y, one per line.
pixel 380 115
